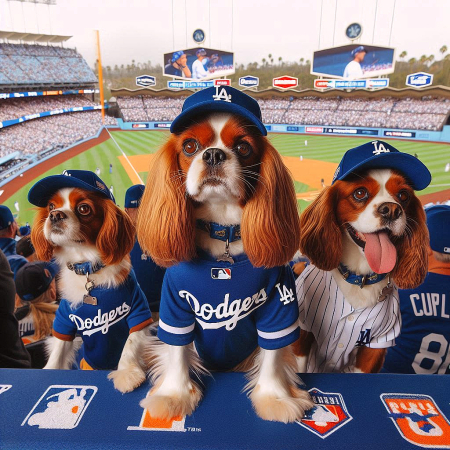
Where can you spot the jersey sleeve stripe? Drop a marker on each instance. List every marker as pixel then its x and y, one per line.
pixel 176 330
pixel 278 334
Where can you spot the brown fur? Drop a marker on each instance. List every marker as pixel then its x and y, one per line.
pixel 370 360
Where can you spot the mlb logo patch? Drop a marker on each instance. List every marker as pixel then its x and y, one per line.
pixel 221 274
pixel 418 419
pixel 61 407
pixel 329 414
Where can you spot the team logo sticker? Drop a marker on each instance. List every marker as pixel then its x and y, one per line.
pixel 418 419
pixel 61 407
pixel 5 387
pixel 329 414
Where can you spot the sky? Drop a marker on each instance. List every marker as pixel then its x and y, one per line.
pixel 293 29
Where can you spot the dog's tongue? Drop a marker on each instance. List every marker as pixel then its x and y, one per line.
pixel 380 252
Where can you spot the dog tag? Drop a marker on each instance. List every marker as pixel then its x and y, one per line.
pixel 89 300
pixel 385 293
pixel 226 258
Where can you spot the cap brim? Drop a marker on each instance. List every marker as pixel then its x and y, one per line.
pixel 41 192
pixel 213 106
pixel 410 166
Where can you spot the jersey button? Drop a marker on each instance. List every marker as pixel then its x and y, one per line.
pixel 350 318
pixel 341 345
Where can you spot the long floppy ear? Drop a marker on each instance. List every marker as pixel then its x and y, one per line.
pixel 412 251
pixel 165 225
pixel 42 247
pixel 270 227
pixel 116 238
pixel 321 239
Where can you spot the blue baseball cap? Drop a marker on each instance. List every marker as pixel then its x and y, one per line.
pixel 6 217
pixel 25 230
pixel 41 192
pixel 381 155
pixel 219 99
pixel 33 279
pixel 359 49
pixel 133 195
pixel 177 55
pixel 438 222
pixel 201 52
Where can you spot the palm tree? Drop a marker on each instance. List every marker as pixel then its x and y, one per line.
pixel 280 59
pixel 443 49
pixel 412 61
pixel 403 54
pixel 264 61
pixel 301 61
pixel 430 59
pixel 423 59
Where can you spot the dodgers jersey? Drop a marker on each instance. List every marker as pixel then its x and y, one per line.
pixel 104 327
pixel 338 328
pixel 423 345
pixel 228 309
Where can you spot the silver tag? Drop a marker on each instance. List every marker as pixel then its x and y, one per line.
pixel 226 258
pixel 89 300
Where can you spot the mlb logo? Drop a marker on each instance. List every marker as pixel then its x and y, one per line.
pixel 61 407
pixel 329 414
pixel 221 274
pixel 418 419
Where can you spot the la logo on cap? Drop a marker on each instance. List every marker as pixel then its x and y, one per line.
pixel 222 95
pixel 379 148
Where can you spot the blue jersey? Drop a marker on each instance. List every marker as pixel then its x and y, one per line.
pixel 149 275
pixel 104 327
pixel 424 343
pixel 228 309
pixel 8 246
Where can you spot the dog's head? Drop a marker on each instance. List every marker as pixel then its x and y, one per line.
pixel 80 221
pixel 372 213
pixel 219 158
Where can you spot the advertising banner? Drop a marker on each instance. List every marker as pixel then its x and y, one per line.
pixel 378 83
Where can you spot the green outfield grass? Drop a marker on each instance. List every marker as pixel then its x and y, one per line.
pixel 324 148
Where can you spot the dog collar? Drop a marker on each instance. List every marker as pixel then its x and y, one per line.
pixel 360 280
pixel 85 268
pixel 221 232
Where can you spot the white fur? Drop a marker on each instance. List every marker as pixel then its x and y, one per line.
pixel 272 380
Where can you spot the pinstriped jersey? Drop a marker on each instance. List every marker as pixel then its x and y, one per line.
pixel 338 328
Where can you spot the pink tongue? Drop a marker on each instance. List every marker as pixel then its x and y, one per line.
pixel 380 252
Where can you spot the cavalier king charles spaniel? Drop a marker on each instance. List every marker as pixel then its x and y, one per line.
pixel 365 235
pixel 220 211
pixel 79 225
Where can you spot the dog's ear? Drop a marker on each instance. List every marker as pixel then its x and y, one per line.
pixel 165 225
pixel 117 235
pixel 42 247
pixel 270 227
pixel 412 251
pixel 321 238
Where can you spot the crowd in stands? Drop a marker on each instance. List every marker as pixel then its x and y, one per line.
pixel 425 114
pixel 34 64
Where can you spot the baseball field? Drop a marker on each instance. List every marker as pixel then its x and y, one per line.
pixel 312 161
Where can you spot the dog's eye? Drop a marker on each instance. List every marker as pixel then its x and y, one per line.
pixel 360 194
pixel 190 147
pixel 403 196
pixel 84 209
pixel 51 206
pixel 243 149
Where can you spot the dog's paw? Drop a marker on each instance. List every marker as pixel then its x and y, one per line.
pixel 281 409
pixel 168 406
pixel 126 380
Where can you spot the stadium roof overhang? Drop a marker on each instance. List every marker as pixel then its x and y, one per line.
pixel 33 37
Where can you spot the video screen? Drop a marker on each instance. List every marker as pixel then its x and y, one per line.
pixel 353 62
pixel 199 63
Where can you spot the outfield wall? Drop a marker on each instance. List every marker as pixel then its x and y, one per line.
pixel 381 133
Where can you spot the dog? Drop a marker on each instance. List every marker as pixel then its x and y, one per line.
pixel 219 210
pixel 79 224
pixel 365 235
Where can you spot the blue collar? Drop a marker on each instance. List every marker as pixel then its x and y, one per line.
pixel 221 232
pixel 85 267
pixel 360 280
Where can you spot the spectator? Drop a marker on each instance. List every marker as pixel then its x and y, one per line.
pixel 149 275
pixel 25 248
pixel 198 69
pixel 353 70
pixel 178 66
pixel 8 232
pixel 36 300
pixel 12 350
pixel 422 346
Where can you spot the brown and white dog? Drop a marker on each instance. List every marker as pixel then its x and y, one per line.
pixel 219 168
pixel 79 225
pixel 365 235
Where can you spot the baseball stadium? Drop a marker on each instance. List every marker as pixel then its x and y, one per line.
pixel 65 112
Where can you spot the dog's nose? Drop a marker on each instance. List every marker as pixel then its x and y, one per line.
pixel 214 156
pixel 390 211
pixel 56 216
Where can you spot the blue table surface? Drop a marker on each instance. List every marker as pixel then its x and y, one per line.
pixel 49 409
